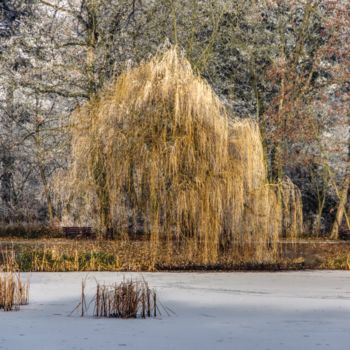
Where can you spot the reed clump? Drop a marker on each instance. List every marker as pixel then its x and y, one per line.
pixel 127 299
pixel 155 153
pixel 13 291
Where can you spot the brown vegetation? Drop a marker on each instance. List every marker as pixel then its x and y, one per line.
pixel 127 299
pixel 68 255
pixel 155 153
pixel 13 291
pixel 29 231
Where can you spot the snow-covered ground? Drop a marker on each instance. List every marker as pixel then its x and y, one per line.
pixel 238 311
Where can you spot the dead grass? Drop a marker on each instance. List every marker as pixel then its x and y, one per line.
pixel 126 299
pixel 337 261
pixel 68 255
pixel 88 255
pixel 13 291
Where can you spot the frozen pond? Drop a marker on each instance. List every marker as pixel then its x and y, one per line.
pixel 243 311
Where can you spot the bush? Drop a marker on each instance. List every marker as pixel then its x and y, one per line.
pixel 29 231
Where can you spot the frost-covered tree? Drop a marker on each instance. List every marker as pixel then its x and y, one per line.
pixel 283 63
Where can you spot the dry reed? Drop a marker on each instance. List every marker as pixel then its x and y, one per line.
pixel 127 299
pixel 155 153
pixel 13 291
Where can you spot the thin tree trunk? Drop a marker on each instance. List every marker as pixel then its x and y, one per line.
pixel 41 166
pixel 91 41
pixel 7 159
pixel 47 193
pixel 341 208
pixel 320 207
pixel 343 197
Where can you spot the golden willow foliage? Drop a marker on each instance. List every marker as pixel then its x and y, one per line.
pixel 155 152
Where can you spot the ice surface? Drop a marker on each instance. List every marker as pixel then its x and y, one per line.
pixel 238 311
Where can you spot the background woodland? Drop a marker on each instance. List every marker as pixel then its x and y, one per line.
pixel 284 64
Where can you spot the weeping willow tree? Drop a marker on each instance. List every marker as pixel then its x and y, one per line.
pixel 155 152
